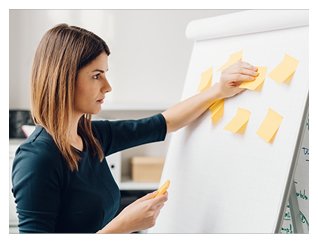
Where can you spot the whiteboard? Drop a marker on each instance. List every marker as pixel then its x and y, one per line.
pixel 223 182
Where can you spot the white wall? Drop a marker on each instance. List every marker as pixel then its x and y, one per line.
pixel 150 52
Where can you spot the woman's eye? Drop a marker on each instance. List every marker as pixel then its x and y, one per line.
pixel 96 76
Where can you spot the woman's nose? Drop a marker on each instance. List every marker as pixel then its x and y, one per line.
pixel 106 87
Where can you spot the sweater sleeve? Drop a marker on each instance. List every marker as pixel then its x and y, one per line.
pixel 36 180
pixel 119 135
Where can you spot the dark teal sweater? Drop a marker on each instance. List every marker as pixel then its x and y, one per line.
pixel 51 198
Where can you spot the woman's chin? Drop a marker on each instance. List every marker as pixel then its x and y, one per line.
pixel 93 112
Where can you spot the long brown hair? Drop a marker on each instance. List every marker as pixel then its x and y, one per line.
pixel 61 53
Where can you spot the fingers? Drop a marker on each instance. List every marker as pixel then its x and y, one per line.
pixel 241 71
pixel 158 207
pixel 246 65
pixel 247 71
pixel 240 77
pixel 158 210
pixel 158 202
pixel 147 196
pixel 155 200
pixel 160 199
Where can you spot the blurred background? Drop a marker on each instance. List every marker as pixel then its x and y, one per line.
pixel 149 50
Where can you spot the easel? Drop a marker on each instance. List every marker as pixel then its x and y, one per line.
pixel 292 199
pixel 294 211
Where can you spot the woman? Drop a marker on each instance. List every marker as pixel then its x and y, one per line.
pixel 61 181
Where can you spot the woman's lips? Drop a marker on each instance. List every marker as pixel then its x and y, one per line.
pixel 101 101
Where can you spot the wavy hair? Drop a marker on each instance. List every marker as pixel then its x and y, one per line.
pixel 61 53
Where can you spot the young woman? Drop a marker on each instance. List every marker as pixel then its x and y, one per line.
pixel 61 180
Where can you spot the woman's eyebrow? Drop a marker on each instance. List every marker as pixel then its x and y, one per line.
pixel 98 70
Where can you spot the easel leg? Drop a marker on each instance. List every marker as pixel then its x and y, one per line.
pixel 294 211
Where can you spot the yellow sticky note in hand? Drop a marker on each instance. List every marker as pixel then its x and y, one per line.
pixel 235 57
pixel 217 111
pixel 239 122
pixel 283 72
pixel 257 84
pixel 270 126
pixel 206 80
pixel 162 189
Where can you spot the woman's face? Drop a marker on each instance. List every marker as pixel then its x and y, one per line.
pixel 91 86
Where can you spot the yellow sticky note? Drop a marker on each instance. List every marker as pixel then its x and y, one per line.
pixel 206 80
pixel 217 111
pixel 257 84
pixel 235 57
pixel 270 126
pixel 162 190
pixel 239 122
pixel 284 71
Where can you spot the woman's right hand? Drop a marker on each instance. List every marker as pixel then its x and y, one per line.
pixel 139 215
pixel 233 76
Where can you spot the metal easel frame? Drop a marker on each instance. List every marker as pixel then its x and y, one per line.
pixel 290 194
pixel 294 211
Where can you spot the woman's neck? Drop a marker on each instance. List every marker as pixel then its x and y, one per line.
pixel 75 139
